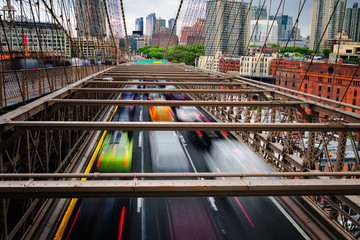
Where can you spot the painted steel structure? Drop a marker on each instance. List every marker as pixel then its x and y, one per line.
pixel 56 134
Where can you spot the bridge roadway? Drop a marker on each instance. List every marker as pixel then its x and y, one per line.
pixel 180 218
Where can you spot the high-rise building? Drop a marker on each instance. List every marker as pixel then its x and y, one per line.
pixel 160 24
pixel 322 12
pixel 258 12
pixel 139 24
pixel 227 27
pixel 171 25
pixel 260 29
pixel 193 34
pixel 352 22
pixel 150 24
pixel 95 11
pixel 285 26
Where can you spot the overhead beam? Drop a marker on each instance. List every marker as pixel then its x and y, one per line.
pixel 177 103
pixel 175 188
pixel 151 77
pixel 165 83
pixel 120 90
pixel 180 126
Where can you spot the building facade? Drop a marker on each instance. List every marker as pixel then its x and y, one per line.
pixel 171 23
pixel 321 15
pixel 284 25
pixel 193 34
pixel 95 11
pixel 258 65
pixel 209 62
pixel 160 25
pixel 259 30
pixel 150 24
pixel 352 22
pixel 139 24
pixel 258 13
pixel 326 80
pixel 24 37
pixel 227 27
pixel 161 39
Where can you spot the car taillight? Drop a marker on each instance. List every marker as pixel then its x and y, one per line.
pixel 200 134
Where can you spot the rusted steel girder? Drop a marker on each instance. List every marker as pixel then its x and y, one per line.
pixel 147 77
pixel 120 90
pixel 181 126
pixel 173 188
pixel 177 103
pixel 165 83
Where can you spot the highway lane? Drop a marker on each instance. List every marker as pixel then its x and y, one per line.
pixel 167 218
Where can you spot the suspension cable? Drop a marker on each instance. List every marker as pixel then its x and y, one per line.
pixel 172 30
pixel 126 35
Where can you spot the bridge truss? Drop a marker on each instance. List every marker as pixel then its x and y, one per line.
pixel 44 142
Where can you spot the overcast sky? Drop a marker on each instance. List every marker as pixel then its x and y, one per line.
pixel 167 9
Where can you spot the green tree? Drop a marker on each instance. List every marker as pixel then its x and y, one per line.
pixel 326 51
pixel 274 45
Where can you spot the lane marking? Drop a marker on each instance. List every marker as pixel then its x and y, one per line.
pixel 292 221
pixel 139 204
pixel 212 203
pixel 140 139
pixel 64 222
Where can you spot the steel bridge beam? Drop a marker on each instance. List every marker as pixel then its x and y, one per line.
pixel 180 126
pixel 214 91
pixel 178 103
pixel 165 83
pixel 175 188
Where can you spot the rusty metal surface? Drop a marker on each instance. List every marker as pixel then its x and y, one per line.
pixel 181 126
pixel 172 188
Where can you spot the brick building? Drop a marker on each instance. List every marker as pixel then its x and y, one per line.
pixel 229 64
pixel 323 79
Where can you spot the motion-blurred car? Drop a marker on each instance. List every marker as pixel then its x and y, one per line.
pixel 116 153
pixel 204 138
pixel 161 113
pixel 175 96
pixel 167 154
pixel 187 114
pixel 155 96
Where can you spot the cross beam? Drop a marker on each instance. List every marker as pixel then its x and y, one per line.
pixel 178 103
pixel 180 126
pixel 174 188
pixel 120 90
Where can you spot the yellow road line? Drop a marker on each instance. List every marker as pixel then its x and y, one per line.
pixel 60 232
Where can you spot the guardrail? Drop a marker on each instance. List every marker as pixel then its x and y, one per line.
pixel 18 86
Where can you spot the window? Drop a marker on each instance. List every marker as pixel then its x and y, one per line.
pixel 329 89
pixel 355 93
pixel 338 91
pixel 305 85
pixel 337 98
pixel 354 102
pixel 293 84
pixel 320 88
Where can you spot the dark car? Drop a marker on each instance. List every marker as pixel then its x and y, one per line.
pixel 175 96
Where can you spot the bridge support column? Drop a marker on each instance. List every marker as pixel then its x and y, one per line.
pixel 309 160
pixel 340 155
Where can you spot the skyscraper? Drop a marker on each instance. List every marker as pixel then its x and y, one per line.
pixel 322 11
pixel 150 24
pixel 95 12
pixel 352 22
pixel 227 27
pixel 139 24
pixel 285 25
pixel 171 25
pixel 160 23
pixel 258 10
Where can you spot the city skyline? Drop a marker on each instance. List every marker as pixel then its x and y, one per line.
pixel 168 9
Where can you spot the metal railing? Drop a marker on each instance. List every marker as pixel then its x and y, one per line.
pixel 18 86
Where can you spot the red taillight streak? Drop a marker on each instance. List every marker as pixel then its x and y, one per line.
pixel 99 161
pixel 220 172
pixel 73 223
pixel 225 134
pixel 207 120
pixel 198 117
pixel 237 200
pixel 182 97
pixel 294 210
pixel 200 134
pixel 121 223
pixel 153 134
pixel 257 171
